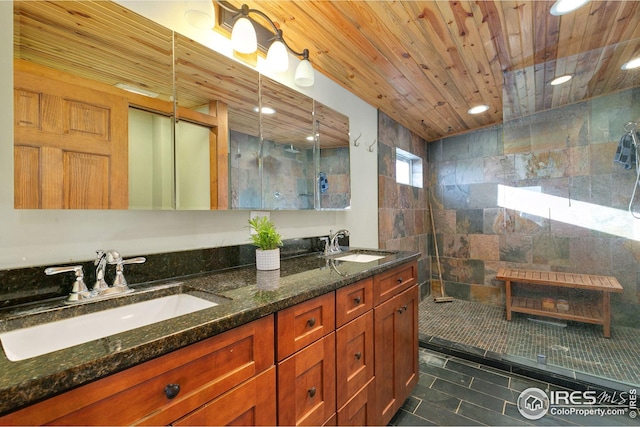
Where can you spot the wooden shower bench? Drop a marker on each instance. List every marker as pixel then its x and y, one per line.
pixel 579 310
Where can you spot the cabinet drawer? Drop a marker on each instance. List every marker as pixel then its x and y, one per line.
pixel 250 404
pixel 137 395
pixel 354 356
pixel 304 323
pixel 353 300
pixel 307 385
pixel 360 410
pixel 392 282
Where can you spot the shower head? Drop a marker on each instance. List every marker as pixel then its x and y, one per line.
pixel 291 149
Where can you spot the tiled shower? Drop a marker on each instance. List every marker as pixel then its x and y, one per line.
pixel 481 186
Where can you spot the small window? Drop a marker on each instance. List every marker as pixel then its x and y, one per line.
pixel 408 168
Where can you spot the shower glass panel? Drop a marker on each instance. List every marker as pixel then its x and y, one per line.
pixel 562 206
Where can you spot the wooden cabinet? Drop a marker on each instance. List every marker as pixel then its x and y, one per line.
pixel 348 357
pixel 164 389
pixel 396 352
pixel 306 351
pixel 306 384
pixel 360 410
pixel 354 339
pixel 304 323
pixel 252 403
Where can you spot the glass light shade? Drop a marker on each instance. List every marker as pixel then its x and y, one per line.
pixel 304 74
pixel 200 14
pixel 277 57
pixel 243 36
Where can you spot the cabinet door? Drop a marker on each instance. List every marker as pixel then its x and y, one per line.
pixel 396 352
pixel 360 410
pixel 354 356
pixel 307 385
pixel 140 395
pixel 250 404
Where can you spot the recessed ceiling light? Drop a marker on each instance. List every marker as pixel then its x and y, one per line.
pixel 478 109
pixel 310 138
pixel 630 65
pixel 265 110
pixel 561 79
pixel 562 7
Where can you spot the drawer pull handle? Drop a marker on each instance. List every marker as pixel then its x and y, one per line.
pixel 357 300
pixel 358 355
pixel 402 309
pixel 312 392
pixel 311 322
pixel 172 390
pixel 399 279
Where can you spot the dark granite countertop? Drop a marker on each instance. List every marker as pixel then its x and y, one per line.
pixel 244 294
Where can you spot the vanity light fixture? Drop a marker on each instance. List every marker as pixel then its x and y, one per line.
pixel 562 7
pixel 244 40
pixel 200 14
pixel 478 109
pixel 561 79
pixel 630 65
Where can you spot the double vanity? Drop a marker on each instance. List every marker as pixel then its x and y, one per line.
pixel 324 340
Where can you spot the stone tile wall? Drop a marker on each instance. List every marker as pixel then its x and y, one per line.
pixel 403 215
pixel 573 215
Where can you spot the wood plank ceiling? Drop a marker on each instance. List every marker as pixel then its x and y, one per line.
pixel 425 63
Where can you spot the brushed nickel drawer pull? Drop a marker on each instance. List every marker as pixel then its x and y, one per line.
pixel 357 300
pixel 399 279
pixel 312 392
pixel 172 390
pixel 311 322
pixel 358 355
pixel 402 309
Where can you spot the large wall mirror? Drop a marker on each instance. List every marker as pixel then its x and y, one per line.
pixel 114 111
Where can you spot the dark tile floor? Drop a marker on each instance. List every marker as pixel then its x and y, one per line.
pixel 576 350
pixel 455 392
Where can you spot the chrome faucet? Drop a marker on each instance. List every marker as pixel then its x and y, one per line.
pixel 334 247
pixel 80 293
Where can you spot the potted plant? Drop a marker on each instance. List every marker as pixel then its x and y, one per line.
pixel 268 241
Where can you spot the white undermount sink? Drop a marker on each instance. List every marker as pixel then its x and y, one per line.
pixel 359 258
pixel 21 344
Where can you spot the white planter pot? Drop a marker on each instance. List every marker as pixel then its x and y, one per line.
pixel 268 260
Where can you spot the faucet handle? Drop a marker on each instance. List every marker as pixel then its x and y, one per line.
pixel 79 289
pixel 119 280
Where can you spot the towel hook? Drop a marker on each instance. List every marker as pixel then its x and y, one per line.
pixel 355 141
pixel 370 147
pixel 630 127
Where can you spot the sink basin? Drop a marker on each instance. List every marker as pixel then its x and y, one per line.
pixel 359 258
pixel 21 344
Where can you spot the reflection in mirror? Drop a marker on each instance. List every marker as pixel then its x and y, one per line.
pixel 288 170
pixel 84 71
pixel 150 160
pixel 216 98
pixel 332 128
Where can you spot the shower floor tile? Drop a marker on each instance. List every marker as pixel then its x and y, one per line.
pixel 578 348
